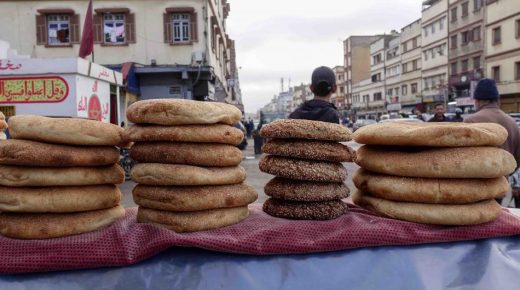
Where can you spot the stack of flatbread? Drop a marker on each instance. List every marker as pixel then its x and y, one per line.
pixel 433 173
pixel 305 156
pixel 3 126
pixel 58 176
pixel 188 173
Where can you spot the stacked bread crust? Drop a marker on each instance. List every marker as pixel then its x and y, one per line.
pixel 444 174
pixel 188 173
pixel 305 157
pixel 52 185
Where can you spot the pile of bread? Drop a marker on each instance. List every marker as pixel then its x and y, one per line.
pixel 188 173
pixel 58 176
pixel 433 173
pixel 305 156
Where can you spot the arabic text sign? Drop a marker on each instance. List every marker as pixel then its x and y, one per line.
pixel 51 89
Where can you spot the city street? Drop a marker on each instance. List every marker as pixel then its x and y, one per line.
pixel 255 177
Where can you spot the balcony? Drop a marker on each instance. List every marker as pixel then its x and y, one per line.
pixel 464 79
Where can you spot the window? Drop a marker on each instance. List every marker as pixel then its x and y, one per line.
pixel 415 64
pixel 464 38
pixel 114 28
pixel 390 92
pixel 180 24
pixel 441 24
pixel 414 41
pixel 464 65
pixel 405 47
pixel 454 41
pixel 476 33
pixel 397 91
pixel 377 97
pixel 465 9
pixel 433 52
pixel 425 31
pixel 433 28
pixel 405 68
pixel 477 5
pixel 495 71
pixel 454 14
pixel 517 70
pixel 426 55
pixel 341 89
pixel 58 29
pixel 376 78
pixel 476 62
pixel 453 68
pixel 413 88
pixel 517 28
pixel 377 59
pixel 181 27
pixel 497 39
pixel 404 90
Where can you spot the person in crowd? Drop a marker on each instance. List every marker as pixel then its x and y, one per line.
pixel 323 85
pixel 250 126
pixel 458 116
pixel 258 140
pixel 439 114
pixel 488 111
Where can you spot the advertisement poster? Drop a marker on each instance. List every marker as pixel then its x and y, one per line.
pixel 93 99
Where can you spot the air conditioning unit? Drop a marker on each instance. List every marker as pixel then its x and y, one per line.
pixel 198 57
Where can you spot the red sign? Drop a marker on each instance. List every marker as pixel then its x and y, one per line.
pixel 94 108
pixel 33 90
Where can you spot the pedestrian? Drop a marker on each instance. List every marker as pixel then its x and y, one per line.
pixel 488 111
pixel 323 85
pixel 258 140
pixel 458 116
pixel 439 114
pixel 250 126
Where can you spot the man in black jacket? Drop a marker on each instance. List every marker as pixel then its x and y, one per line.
pixel 320 108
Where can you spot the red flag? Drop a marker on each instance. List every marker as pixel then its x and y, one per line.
pixel 87 39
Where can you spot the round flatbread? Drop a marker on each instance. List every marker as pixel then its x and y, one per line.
pixel 182 112
pixel 305 129
pixel 194 198
pixel 310 149
pixel 38 154
pixel 298 190
pixel 68 131
pixel 430 190
pixel 184 222
pixel 435 214
pixel 432 134
pixel 175 174
pixel 217 133
pixel 323 210
pixel 199 154
pixel 51 176
pixel 456 162
pixel 54 225
pixel 300 169
pixel 59 199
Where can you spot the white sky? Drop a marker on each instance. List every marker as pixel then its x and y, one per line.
pixel 289 38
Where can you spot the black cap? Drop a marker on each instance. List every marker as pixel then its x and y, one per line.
pixel 323 79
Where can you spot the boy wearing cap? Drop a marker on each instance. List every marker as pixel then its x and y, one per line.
pixel 320 108
pixel 488 111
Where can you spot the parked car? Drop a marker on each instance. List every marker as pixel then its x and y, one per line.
pixel 362 122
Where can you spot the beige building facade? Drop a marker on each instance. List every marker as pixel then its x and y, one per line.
pixel 411 75
pixel 185 41
pixel 338 98
pixel 503 50
pixel 393 75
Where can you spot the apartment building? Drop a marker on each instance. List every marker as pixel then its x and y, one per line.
pixel 173 49
pixel 503 50
pixel 393 75
pixel 466 48
pixel 356 50
pixel 338 98
pixel 302 93
pixel 434 40
pixel 411 76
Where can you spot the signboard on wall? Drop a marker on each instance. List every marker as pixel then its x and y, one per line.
pixel 44 89
pixel 93 99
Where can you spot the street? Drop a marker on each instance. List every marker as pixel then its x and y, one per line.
pixel 255 177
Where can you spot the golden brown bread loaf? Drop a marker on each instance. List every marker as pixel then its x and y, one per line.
pixel 215 133
pixel 182 112
pixel 305 129
pixel 199 154
pixel 300 169
pixel 11 175
pixel 310 149
pixel 183 222
pixel 194 198
pixel 58 199
pixel 432 134
pixel 176 174
pixel 38 154
pixel 430 190
pixel 69 131
pixel 456 162
pixel 55 225
pixel 436 214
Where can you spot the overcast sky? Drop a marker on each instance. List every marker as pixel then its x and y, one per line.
pixel 289 38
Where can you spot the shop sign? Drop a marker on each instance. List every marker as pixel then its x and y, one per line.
pixel 51 89
pixel 394 107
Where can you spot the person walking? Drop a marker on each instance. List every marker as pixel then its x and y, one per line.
pixel 488 111
pixel 323 85
pixel 439 114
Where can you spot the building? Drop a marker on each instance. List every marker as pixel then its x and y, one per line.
pixel 393 75
pixel 434 42
pixel 466 48
pixel 302 93
pixel 503 50
pixel 165 49
pixel 411 76
pixel 356 50
pixel 338 98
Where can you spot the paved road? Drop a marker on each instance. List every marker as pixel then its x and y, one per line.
pixel 255 177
